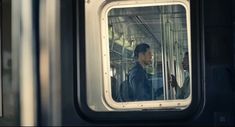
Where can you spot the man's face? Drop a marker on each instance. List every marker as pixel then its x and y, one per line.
pixel 147 57
pixel 185 62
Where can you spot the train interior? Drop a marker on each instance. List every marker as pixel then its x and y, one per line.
pixel 42 50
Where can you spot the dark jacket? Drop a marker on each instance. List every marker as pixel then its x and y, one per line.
pixel 140 87
pixel 184 91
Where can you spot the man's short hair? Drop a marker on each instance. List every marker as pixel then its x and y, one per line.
pixel 140 48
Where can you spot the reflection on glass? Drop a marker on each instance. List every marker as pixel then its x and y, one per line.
pixel 159 71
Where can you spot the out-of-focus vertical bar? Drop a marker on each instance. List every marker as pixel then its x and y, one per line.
pixel 50 67
pixel 15 33
pixel 27 66
pixel 0 59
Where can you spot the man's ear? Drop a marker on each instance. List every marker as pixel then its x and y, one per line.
pixel 141 55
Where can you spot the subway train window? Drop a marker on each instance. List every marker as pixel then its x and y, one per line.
pixel 144 56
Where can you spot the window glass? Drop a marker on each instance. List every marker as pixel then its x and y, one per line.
pixel 149 54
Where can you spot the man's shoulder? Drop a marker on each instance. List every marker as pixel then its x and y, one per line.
pixel 136 72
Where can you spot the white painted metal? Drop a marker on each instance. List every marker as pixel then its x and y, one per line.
pixel 97 56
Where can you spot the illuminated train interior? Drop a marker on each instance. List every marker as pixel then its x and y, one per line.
pixel 117 62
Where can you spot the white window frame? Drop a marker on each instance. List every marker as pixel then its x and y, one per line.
pixel 154 104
